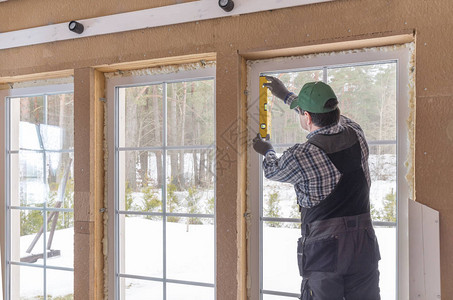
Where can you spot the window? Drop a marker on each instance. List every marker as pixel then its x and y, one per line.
pixel 164 185
pixel 372 90
pixel 39 193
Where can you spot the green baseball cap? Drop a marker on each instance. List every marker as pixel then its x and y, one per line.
pixel 313 96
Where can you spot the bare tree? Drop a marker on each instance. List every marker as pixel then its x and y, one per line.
pixel 157 132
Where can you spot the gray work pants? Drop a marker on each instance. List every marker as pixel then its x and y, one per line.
pixel 338 259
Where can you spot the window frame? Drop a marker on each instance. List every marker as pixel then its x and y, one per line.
pixel 5 180
pixel 113 84
pixel 402 55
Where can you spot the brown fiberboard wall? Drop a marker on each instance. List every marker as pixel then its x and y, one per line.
pixel 46 12
pixel 337 21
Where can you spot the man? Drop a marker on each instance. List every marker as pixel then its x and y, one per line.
pixel 338 252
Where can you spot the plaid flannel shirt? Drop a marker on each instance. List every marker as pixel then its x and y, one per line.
pixel 309 169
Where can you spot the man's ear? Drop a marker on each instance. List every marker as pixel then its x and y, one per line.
pixel 308 118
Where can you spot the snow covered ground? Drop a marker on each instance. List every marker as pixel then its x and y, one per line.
pixel 31 283
pixel 190 250
pixel 190 256
pixel 280 271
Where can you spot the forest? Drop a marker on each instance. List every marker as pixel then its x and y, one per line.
pixel 167 142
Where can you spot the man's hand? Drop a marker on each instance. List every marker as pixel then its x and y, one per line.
pixel 260 146
pixel 277 87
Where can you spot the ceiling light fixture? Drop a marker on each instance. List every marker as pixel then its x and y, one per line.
pixel 226 5
pixel 76 27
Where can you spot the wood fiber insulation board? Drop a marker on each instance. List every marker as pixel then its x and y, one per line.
pixel 228 185
pixel 11 11
pixel 337 21
pixel 88 184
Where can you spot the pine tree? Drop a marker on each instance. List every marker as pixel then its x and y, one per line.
pixel 172 201
pixel 192 206
pixel 272 209
pixel 389 209
pixel 150 201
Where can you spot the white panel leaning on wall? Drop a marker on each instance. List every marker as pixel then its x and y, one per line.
pixel 424 252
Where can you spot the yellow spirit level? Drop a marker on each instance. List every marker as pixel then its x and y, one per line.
pixel 265 113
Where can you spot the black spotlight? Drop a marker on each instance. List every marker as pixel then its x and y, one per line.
pixel 76 27
pixel 226 5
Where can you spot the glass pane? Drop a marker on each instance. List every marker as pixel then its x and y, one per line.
pixel 190 110
pixel 60 285
pixel 30 285
pixel 32 178
pixel 141 245
pixel 367 94
pixel 44 122
pixel 27 115
pixel 45 178
pixel 285 122
pixel 134 289
pixel 387 265
pixel 29 136
pixel 280 270
pixel 190 181
pixel 190 249
pixel 59 132
pixel 60 244
pixel 189 292
pixel 279 199
pixel 28 244
pixel 140 116
pixel 140 181
pixel 60 180
pixel 382 162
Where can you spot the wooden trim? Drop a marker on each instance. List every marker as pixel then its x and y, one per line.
pixel 35 76
pixel 97 181
pixel 242 178
pixel 357 43
pixel 150 63
pixel 133 65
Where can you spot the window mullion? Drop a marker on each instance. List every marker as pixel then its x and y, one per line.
pixel 261 197
pixel 44 246
pixel 164 190
pixel 44 159
pixel 116 189
pixel 8 201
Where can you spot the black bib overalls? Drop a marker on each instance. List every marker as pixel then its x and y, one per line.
pixel 338 252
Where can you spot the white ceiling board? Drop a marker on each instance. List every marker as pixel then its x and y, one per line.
pixel 148 18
